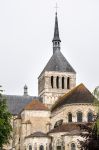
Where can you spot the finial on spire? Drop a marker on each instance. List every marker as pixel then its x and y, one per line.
pixel 56 7
pixel 56 39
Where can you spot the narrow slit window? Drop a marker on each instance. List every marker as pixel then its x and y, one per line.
pixel 70 117
pixel 57 82
pixel 62 82
pixel 68 83
pixel 52 81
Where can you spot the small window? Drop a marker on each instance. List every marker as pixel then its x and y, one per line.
pixel 68 83
pixel 30 147
pixel 58 123
pixel 90 117
pixel 79 116
pixel 62 82
pixel 57 82
pixel 52 81
pixel 70 117
pixel 73 147
pixel 41 147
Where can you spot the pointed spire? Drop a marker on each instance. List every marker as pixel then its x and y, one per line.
pixel 56 39
pixel 56 30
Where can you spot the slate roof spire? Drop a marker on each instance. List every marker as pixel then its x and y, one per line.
pixel 56 39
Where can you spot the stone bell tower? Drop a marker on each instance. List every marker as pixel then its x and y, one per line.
pixel 58 76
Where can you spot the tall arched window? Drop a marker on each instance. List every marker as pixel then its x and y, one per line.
pixel 30 147
pixel 41 147
pixel 79 116
pixel 90 117
pixel 69 117
pixel 57 82
pixel 52 81
pixel 73 147
pixel 68 83
pixel 62 82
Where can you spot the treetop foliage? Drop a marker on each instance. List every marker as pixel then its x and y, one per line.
pixel 5 121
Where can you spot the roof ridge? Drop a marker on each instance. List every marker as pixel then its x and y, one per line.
pixel 65 96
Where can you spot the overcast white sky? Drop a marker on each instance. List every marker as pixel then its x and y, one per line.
pixel 26 32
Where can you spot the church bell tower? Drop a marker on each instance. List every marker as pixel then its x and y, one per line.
pixel 58 76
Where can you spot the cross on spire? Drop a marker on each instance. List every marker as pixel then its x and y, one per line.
pixel 56 7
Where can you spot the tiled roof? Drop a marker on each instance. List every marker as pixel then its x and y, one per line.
pixel 16 103
pixel 66 128
pixel 35 105
pixel 38 134
pixel 70 128
pixel 58 63
pixel 79 94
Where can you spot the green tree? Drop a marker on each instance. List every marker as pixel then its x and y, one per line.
pixel 5 121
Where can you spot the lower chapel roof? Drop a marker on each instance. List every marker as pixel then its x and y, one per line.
pixel 36 105
pixel 77 95
pixel 70 128
pixel 37 134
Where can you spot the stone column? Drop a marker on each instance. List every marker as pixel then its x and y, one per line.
pixel 54 82
pixel 60 82
pixel 65 83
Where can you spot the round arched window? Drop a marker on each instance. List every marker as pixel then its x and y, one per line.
pixel 79 116
pixel 41 147
pixel 73 147
pixel 90 117
pixel 30 147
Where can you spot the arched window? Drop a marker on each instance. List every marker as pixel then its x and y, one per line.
pixel 62 82
pixel 69 117
pixel 57 82
pixel 73 147
pixel 30 147
pixel 52 81
pixel 90 117
pixel 41 147
pixel 79 116
pixel 68 83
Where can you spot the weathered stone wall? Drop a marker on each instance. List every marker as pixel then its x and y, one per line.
pixel 37 142
pixel 62 113
pixel 61 139
pixel 33 121
pixel 49 94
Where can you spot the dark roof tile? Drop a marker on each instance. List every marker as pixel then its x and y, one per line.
pixel 58 63
pixel 79 94
pixel 17 103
